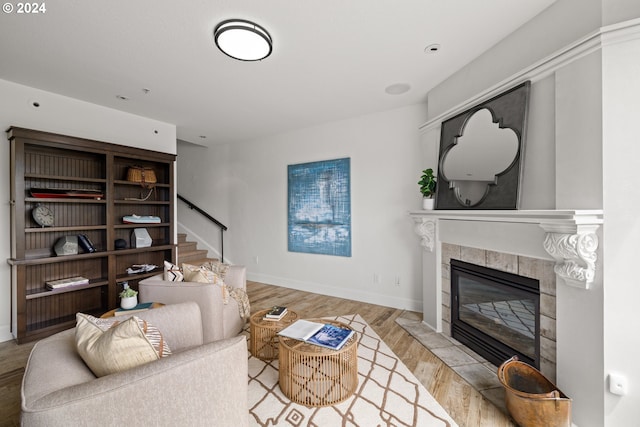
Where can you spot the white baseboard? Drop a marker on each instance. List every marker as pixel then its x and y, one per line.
pixel 5 333
pixel 352 294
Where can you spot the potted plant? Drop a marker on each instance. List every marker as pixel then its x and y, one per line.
pixel 427 185
pixel 128 297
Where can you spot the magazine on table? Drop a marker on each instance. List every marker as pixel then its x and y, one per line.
pixel 324 335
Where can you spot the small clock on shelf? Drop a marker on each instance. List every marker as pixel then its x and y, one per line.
pixel 43 216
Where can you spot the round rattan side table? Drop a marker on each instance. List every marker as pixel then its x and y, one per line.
pixel 317 376
pixel 263 335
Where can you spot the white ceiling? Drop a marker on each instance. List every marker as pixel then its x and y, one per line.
pixel 332 59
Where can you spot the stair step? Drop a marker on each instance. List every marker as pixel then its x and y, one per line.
pixel 188 252
pixel 187 247
pixel 192 255
pixel 201 261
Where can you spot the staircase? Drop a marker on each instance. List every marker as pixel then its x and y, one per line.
pixel 188 252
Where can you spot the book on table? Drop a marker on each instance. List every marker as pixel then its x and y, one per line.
pixel 276 313
pixel 68 282
pixel 144 306
pixel 321 334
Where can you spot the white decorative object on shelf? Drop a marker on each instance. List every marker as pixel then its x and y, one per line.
pixel 140 238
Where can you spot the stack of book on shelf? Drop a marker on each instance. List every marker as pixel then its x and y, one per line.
pixel 276 313
pixel 144 306
pixel 67 283
pixel 324 335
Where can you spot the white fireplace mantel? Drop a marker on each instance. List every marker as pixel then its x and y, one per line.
pixel 570 237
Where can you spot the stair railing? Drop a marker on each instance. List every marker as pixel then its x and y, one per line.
pixel 222 227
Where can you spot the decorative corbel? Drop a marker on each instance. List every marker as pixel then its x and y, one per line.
pixel 575 255
pixel 426 229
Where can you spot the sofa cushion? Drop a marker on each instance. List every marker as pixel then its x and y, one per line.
pixel 108 346
pixel 172 272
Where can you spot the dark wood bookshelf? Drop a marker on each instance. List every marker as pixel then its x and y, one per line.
pixel 43 160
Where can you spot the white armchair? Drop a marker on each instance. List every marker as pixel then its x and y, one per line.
pixel 220 316
pixel 200 384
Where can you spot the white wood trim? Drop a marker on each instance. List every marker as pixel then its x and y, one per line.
pixel 569 235
pixel 590 43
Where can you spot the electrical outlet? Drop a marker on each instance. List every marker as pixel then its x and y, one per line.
pixel 255 259
pixel 396 281
pixel 376 278
pixel 618 384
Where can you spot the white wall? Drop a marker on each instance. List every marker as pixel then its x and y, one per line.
pixel 588 137
pixel 554 28
pixel 204 177
pixel 621 157
pixel 385 167
pixel 63 115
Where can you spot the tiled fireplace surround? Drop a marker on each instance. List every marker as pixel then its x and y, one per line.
pixel 538 269
pixel 556 247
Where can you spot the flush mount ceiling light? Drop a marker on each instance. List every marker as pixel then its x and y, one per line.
pixel 243 40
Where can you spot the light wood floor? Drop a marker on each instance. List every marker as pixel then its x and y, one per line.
pixel 465 405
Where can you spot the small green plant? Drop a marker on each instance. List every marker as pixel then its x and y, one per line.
pixel 427 183
pixel 128 292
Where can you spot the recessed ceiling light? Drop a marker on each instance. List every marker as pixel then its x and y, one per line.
pixel 432 48
pixel 243 40
pixel 398 88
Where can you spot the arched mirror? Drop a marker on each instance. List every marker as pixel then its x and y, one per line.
pixel 481 152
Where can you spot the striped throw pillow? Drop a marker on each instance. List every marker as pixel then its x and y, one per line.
pixel 108 346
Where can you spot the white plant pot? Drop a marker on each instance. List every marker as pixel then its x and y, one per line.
pixel 427 203
pixel 129 302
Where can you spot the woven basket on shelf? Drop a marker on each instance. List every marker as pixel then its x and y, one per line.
pixel 145 176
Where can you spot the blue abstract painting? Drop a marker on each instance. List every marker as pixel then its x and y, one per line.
pixel 319 203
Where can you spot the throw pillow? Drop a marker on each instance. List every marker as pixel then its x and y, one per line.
pixel 217 267
pixel 200 274
pixel 108 346
pixel 172 272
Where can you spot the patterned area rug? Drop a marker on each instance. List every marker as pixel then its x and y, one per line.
pixel 388 394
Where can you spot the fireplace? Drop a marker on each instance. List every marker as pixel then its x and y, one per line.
pixel 495 313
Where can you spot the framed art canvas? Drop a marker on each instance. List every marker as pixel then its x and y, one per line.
pixel 319 207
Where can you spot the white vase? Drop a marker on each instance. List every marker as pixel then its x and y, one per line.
pixel 128 302
pixel 427 203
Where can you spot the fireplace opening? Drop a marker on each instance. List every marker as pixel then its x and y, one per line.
pixel 495 313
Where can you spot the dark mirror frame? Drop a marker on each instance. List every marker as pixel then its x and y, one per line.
pixel 509 110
